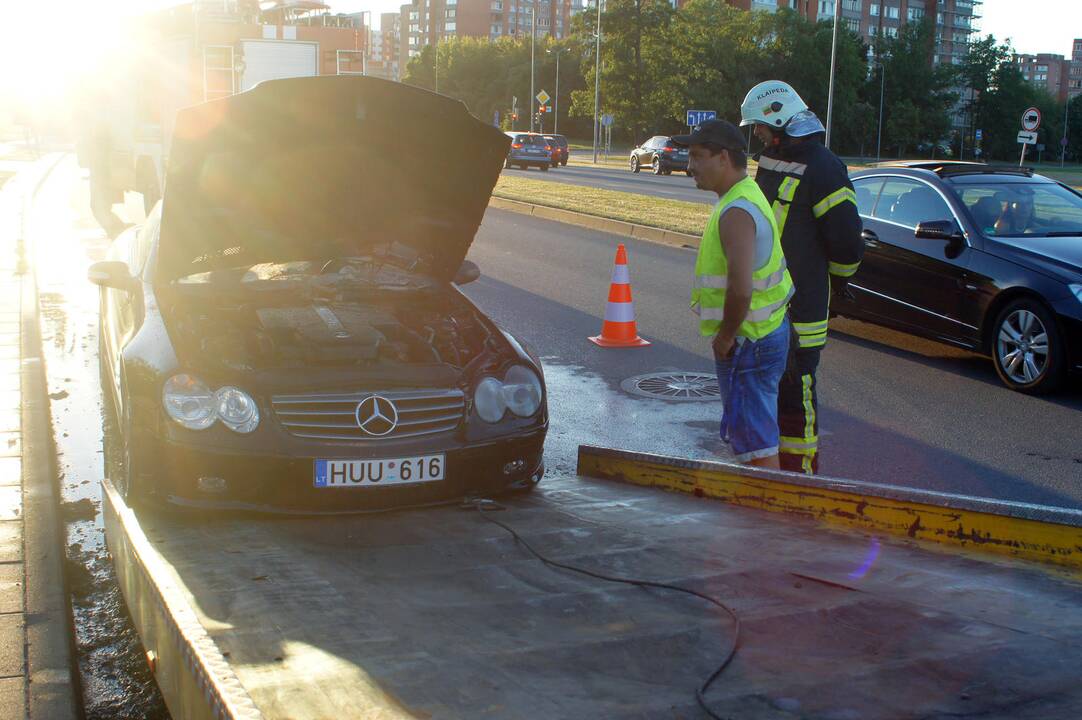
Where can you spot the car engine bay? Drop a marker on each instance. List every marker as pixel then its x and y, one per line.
pixel 325 321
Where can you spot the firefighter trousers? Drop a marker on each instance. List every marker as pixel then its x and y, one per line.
pixel 798 420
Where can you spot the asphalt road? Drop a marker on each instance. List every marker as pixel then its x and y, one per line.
pixel 893 409
pixel 677 186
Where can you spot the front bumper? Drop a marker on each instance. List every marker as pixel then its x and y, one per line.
pixel 1069 314
pixel 276 483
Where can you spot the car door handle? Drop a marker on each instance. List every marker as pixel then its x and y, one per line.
pixel 870 238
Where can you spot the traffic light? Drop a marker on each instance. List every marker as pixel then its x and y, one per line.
pixel 514 116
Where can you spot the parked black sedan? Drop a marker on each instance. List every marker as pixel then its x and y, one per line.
pixel 284 332
pixel 660 155
pixel 983 257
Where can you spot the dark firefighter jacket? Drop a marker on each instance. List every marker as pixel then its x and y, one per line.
pixel 815 206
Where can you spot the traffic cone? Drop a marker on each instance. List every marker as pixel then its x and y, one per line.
pixel 618 330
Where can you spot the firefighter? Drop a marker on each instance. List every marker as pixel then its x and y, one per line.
pixel 816 211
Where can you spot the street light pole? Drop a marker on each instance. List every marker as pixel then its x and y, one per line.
pixel 879 136
pixel 597 83
pixel 533 34
pixel 556 118
pixel 833 61
pixel 1063 143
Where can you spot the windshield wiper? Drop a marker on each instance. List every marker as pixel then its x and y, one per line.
pixel 1063 233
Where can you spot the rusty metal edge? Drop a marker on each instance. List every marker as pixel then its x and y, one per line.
pixel 1031 532
pixel 196 680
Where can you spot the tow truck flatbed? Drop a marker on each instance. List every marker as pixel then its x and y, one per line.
pixel 438 613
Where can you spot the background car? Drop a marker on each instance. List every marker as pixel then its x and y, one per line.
pixel 528 149
pixel 316 354
pixel 660 155
pixel 982 257
pixel 559 149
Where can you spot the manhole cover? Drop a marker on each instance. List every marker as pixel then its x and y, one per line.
pixel 681 386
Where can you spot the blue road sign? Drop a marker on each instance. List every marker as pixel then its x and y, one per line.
pixel 978 133
pixel 697 117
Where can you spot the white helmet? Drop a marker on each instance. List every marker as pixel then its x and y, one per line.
pixel 771 103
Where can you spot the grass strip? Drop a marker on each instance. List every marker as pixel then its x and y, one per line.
pixel 675 215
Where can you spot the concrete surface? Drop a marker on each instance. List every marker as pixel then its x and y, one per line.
pixel 36 669
pixel 441 614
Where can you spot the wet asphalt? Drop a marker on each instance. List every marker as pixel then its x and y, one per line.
pixel 893 408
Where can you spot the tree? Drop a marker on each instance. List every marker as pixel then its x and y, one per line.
pixel 636 56
pixel 919 98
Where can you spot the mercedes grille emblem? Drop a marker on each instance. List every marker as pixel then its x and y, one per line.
pixel 377 416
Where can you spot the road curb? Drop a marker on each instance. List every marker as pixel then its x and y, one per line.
pixel 593 222
pixel 54 691
pixel 1030 532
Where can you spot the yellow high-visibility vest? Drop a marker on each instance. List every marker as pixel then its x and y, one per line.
pixel 771 285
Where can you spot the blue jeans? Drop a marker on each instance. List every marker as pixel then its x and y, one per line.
pixel 749 393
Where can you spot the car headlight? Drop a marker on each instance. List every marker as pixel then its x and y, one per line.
pixel 521 391
pixel 489 400
pixel 188 401
pixel 1076 289
pixel 236 409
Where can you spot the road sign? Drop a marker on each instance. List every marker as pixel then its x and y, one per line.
pixel 1031 119
pixel 978 133
pixel 1027 137
pixel 542 97
pixel 697 117
pixel 606 120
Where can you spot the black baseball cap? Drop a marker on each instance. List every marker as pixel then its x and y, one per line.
pixel 719 132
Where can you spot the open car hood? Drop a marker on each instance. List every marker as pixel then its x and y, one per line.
pixel 326 167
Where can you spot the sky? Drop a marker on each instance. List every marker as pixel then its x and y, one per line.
pixel 84 29
pixel 1034 26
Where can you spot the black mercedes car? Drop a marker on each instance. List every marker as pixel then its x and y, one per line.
pixel 285 331
pixel 987 258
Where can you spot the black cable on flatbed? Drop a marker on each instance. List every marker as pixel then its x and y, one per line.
pixel 700 692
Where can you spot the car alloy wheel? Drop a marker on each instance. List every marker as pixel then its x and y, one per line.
pixel 1026 348
pixel 656 165
pixel 634 164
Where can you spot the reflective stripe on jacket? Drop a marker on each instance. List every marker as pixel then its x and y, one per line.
pixel 771 285
pixel 816 212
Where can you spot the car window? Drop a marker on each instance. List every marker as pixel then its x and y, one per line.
pixel 910 202
pixel 536 140
pixel 867 190
pixel 1024 208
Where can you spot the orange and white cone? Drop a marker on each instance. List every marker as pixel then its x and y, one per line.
pixel 618 330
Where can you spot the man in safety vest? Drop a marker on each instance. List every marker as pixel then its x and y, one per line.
pixel 741 290
pixel 816 212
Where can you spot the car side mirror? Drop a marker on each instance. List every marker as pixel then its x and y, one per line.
pixel 938 230
pixel 467 273
pixel 112 274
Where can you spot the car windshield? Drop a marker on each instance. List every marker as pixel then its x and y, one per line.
pixel 1020 209
pixel 531 140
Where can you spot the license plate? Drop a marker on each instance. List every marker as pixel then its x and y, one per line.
pixel 386 471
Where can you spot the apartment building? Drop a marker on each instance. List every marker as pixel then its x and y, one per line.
pixel 872 19
pixel 426 22
pixel 1072 88
pixel 1061 76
